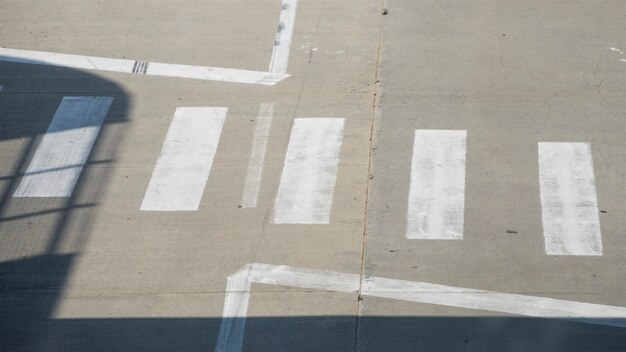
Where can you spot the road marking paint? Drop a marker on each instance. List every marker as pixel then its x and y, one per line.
pixel 284 34
pixel 307 183
pixel 437 188
pixel 1 88
pixel 64 149
pixel 230 338
pixel 140 67
pixel 571 224
pixel 183 168
pixel 257 157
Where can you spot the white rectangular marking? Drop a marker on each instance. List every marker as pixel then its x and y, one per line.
pixel 569 208
pixel 140 67
pixel 257 157
pixel 183 168
pixel 307 183
pixel 284 34
pixel 437 187
pixel 64 149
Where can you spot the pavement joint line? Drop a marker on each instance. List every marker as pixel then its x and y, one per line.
pixel 368 182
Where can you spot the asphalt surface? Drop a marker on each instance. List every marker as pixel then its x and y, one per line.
pixel 94 272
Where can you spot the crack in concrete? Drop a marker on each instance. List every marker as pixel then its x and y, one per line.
pixel 375 105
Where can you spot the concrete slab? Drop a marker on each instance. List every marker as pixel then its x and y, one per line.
pixel 511 74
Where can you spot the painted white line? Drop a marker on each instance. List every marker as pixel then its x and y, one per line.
pixel 307 183
pixel 230 338
pixel 64 149
pixel 257 157
pixel 140 67
pixel 183 168
pixel 531 306
pixel 437 189
pixel 569 208
pixel 284 34
pixel 1 88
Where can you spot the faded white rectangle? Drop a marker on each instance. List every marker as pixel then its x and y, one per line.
pixel 284 34
pixel 437 187
pixel 257 157
pixel 307 183
pixel 569 207
pixel 64 149
pixel 183 168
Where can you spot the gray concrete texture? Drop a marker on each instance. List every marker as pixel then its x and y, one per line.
pixel 94 273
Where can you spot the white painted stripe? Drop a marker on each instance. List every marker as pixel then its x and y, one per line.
pixel 571 225
pixel 531 306
pixel 230 338
pixel 1 88
pixel 236 302
pixel 307 184
pixel 284 34
pixel 257 157
pixel 183 168
pixel 140 67
pixel 64 149
pixel 437 188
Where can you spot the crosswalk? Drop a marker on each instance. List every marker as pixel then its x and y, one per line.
pixel 436 193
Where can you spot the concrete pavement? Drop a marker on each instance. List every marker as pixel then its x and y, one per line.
pixel 95 272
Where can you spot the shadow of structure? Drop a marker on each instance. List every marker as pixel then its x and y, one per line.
pixel 40 237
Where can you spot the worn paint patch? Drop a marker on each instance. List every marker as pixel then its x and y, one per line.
pixel 257 156
pixel 569 207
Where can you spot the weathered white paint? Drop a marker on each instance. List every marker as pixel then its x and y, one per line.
pixel 307 183
pixel 183 168
pixel 284 34
pixel 460 297
pixel 64 149
pixel 140 67
pixel 437 187
pixel 257 157
pixel 1 88
pixel 230 338
pixel 571 225
pixel 238 292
